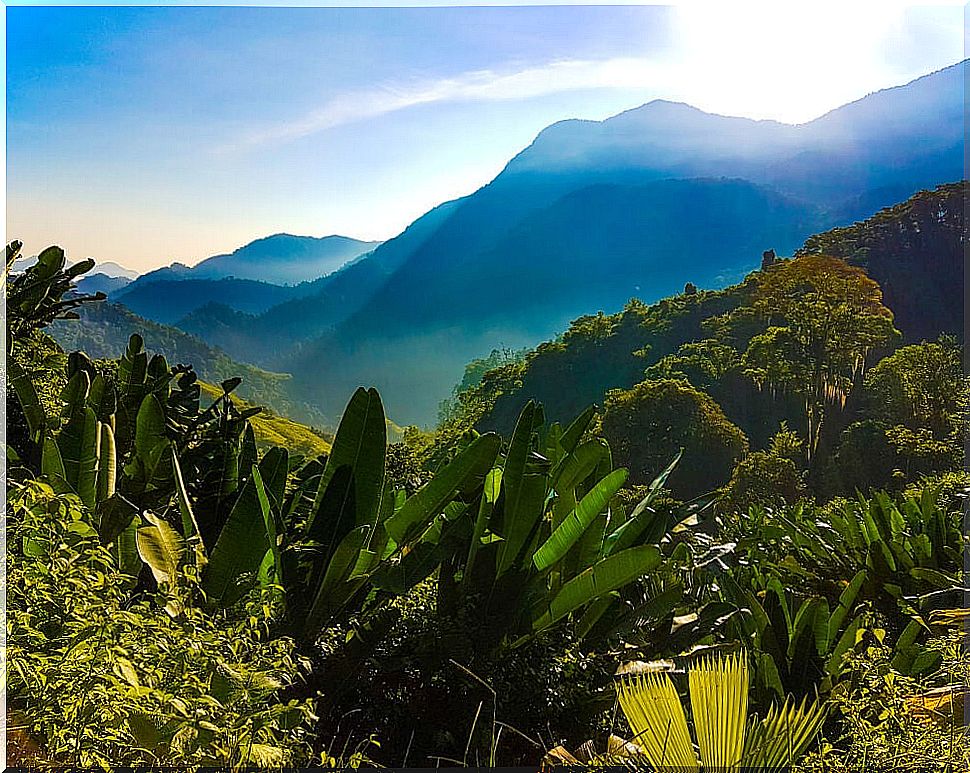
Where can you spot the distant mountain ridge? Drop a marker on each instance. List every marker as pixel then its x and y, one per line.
pixel 587 215
pixel 251 279
pixel 284 259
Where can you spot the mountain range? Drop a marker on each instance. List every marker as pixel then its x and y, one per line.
pixel 590 214
pixel 257 276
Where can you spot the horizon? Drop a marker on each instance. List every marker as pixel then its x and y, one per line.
pixel 122 178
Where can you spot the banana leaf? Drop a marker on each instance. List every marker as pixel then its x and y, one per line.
pixel 609 574
pixel 27 395
pixel 572 528
pixel 473 463
pixel 360 443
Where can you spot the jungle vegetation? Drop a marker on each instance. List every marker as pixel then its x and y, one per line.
pixel 725 529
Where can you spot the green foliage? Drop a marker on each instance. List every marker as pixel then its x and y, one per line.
pixel 915 251
pixel 813 578
pixel 649 424
pixel 702 363
pixel 914 420
pixel 102 679
pixel 103 329
pixel 823 318
pixel 769 478
pixel 35 297
pixel 890 721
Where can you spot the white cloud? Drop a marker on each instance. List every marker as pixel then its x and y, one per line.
pixel 481 85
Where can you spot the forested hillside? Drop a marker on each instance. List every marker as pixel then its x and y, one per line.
pixel 740 357
pixel 104 328
pixel 589 215
pixel 224 601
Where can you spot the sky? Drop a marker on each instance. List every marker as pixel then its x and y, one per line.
pixel 150 135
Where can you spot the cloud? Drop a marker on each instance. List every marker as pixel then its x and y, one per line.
pixel 480 85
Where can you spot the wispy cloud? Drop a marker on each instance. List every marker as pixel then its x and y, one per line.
pixel 480 85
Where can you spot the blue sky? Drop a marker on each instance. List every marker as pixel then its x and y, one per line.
pixel 147 135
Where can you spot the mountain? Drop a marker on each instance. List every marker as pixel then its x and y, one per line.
pixel 252 279
pixel 101 283
pixel 284 259
pixel 914 250
pixel 168 300
pixel 114 270
pixel 317 307
pixel 594 212
pixel 108 268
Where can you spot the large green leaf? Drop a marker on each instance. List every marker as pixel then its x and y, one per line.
pixel 522 517
pixel 572 528
pixel 78 443
pixel 132 370
pixel 846 601
pixel 107 463
pixel 329 595
pixel 274 468
pixel 473 463
pixel 51 463
pixel 161 547
pixel 361 444
pixel 236 557
pixel 609 574
pixel 490 494
pixel 517 457
pixel 190 527
pixel 151 443
pixel 575 431
pixel 102 398
pixel 27 395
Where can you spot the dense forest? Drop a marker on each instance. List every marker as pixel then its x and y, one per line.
pixel 723 530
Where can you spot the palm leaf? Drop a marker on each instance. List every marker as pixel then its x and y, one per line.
pixel 777 741
pixel 719 703
pixel 653 710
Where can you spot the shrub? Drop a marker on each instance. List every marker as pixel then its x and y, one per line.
pixel 101 678
pixel 647 426
pixel 887 721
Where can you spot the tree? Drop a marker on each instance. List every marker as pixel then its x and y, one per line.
pixel 919 387
pixel 650 423
pixel 823 318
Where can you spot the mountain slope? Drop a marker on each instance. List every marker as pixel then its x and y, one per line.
pixel 168 300
pixel 914 250
pixel 594 212
pixel 103 331
pixel 590 214
pixel 284 259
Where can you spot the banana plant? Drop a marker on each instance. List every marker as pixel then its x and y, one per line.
pixel 726 738
pixel 35 297
pixel 907 548
pixel 343 526
pixel 538 540
pixel 800 643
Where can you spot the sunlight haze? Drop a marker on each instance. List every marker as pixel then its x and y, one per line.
pixel 151 135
